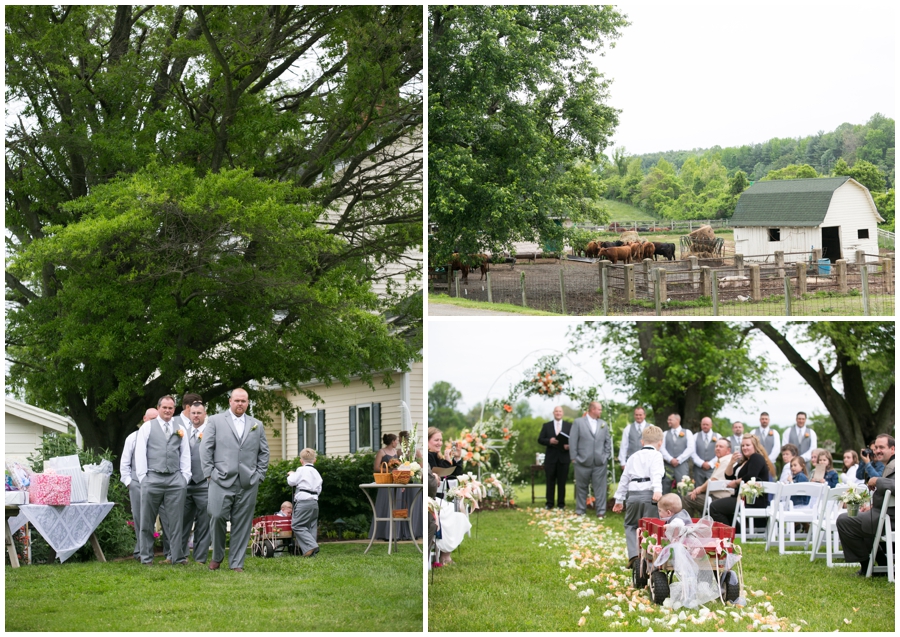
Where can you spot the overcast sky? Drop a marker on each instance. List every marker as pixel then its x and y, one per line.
pixel 693 76
pixel 475 356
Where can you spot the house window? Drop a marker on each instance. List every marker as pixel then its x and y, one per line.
pixel 862 233
pixel 310 430
pixel 774 234
pixel 365 426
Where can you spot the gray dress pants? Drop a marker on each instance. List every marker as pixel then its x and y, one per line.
pixel 156 489
pixel 305 524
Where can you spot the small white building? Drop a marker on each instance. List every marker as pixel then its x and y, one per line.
pixel 23 426
pixel 836 214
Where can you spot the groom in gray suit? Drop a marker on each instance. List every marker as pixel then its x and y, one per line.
pixel 235 456
pixel 590 447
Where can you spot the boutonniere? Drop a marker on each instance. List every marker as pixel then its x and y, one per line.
pixel 714 438
pixel 807 435
pixel 253 428
pixel 681 434
pixel 200 436
pixel 771 433
pixel 180 433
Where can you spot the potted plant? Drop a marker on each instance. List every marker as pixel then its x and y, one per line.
pixel 853 498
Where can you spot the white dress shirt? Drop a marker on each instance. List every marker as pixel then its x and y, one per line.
pixel 593 425
pixel 304 479
pixel 238 423
pixel 698 440
pixel 849 478
pixel 763 433
pixel 813 441
pixel 786 476
pixel 125 468
pixel 645 463
pixel 623 448
pixel 688 450
pixel 140 449
pixel 557 427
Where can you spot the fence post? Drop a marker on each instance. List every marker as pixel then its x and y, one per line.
pixel 779 261
pixel 562 288
pixel 604 289
pixel 648 273
pixel 449 280
pixel 787 296
pixel 629 282
pixel 801 278
pixel 457 283
pixel 695 272
pixel 864 276
pixel 705 281
pixel 661 274
pixel 490 296
pixel 841 265
pixel 755 291
pixel 522 282
pixel 861 258
pixel 887 271
pixel 739 264
pixel 817 254
pixel 656 297
pixel 714 287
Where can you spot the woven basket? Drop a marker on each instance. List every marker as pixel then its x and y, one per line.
pixel 383 477
pixel 402 477
pixel 400 513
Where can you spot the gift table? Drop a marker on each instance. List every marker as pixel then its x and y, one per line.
pixel 65 528
pixel 391 496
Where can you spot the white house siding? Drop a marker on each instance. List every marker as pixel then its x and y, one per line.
pixel 21 437
pixel 337 401
pixel 851 210
pixel 754 242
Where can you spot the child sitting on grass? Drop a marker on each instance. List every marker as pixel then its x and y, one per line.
pixel 641 487
pixel 305 520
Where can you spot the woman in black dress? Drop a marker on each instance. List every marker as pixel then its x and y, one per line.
pixel 750 462
pixel 382 503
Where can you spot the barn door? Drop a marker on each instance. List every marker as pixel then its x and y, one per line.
pixel 831 243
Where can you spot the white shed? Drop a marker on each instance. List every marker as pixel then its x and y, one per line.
pixel 24 425
pixel 836 214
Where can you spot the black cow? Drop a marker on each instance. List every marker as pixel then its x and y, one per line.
pixel 666 250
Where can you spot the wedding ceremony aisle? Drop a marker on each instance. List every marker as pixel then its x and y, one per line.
pixel 536 570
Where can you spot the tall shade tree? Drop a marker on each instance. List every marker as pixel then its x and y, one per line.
pixel 516 103
pixel 853 374
pixel 318 108
pixel 689 368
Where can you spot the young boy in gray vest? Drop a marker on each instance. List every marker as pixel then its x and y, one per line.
pixel 641 487
pixel 307 485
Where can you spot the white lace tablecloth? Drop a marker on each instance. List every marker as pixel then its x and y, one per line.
pixel 66 528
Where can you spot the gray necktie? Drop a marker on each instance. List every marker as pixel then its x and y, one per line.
pixel 194 433
pixel 166 427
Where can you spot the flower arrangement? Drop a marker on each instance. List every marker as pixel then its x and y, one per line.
pixel 393 463
pixel 544 379
pixel 408 444
pixel 685 485
pixel 492 482
pixel 434 507
pixel 855 497
pixel 471 446
pixel 752 490
pixel 469 490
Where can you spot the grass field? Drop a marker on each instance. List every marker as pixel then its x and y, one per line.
pixel 619 211
pixel 510 577
pixel 341 589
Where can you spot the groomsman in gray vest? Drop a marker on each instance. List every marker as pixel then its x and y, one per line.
pixel 631 437
pixel 678 445
pixel 737 434
pixel 235 457
pixel 770 439
pixel 196 499
pixel 590 447
pixel 704 455
pixel 163 461
pixel 128 477
pixel 803 437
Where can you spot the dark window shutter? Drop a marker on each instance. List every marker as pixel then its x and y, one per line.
pixel 320 419
pixel 376 426
pixel 301 432
pixel 352 429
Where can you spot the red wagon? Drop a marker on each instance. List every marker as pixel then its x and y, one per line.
pixel 652 533
pixel 271 534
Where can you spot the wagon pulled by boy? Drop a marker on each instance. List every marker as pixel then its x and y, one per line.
pixel 271 534
pixel 690 563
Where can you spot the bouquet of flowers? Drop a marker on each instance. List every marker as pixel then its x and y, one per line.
pixel 491 482
pixel 408 445
pixel 685 486
pixel 434 507
pixel 471 445
pixel 854 498
pixel 751 490
pixel 469 490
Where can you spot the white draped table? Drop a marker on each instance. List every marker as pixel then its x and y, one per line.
pixel 65 528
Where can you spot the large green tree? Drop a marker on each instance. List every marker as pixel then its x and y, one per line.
pixel 853 373
pixel 515 104
pixel 270 160
pixel 689 368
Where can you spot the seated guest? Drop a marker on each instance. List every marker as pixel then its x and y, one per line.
pixel 750 462
pixel 788 453
pixel 286 511
pixel 453 525
pixel 798 475
pixel 693 502
pixel 851 465
pixel 869 466
pixel 669 509
pixel 858 533
pixel 824 460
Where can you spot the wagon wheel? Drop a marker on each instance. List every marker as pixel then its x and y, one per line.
pixel 269 547
pixel 731 587
pixel 639 574
pixel 659 587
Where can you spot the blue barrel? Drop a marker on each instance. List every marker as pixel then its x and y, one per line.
pixel 824 267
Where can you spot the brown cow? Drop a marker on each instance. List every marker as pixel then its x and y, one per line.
pixel 481 261
pixel 617 254
pixel 649 249
pixel 592 250
pixel 636 250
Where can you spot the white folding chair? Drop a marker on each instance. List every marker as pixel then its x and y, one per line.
pixel 787 515
pixel 712 485
pixel 825 528
pixel 884 533
pixel 744 514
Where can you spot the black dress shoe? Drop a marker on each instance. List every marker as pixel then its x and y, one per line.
pixel 549 507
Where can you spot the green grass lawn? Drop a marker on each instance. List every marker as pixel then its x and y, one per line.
pixel 498 307
pixel 341 589
pixel 620 211
pixel 508 577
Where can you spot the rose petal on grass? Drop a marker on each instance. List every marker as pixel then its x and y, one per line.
pixel 582 620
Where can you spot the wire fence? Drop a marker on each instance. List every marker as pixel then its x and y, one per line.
pixel 781 285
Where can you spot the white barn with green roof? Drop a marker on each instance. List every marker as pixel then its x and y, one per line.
pixel 836 214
